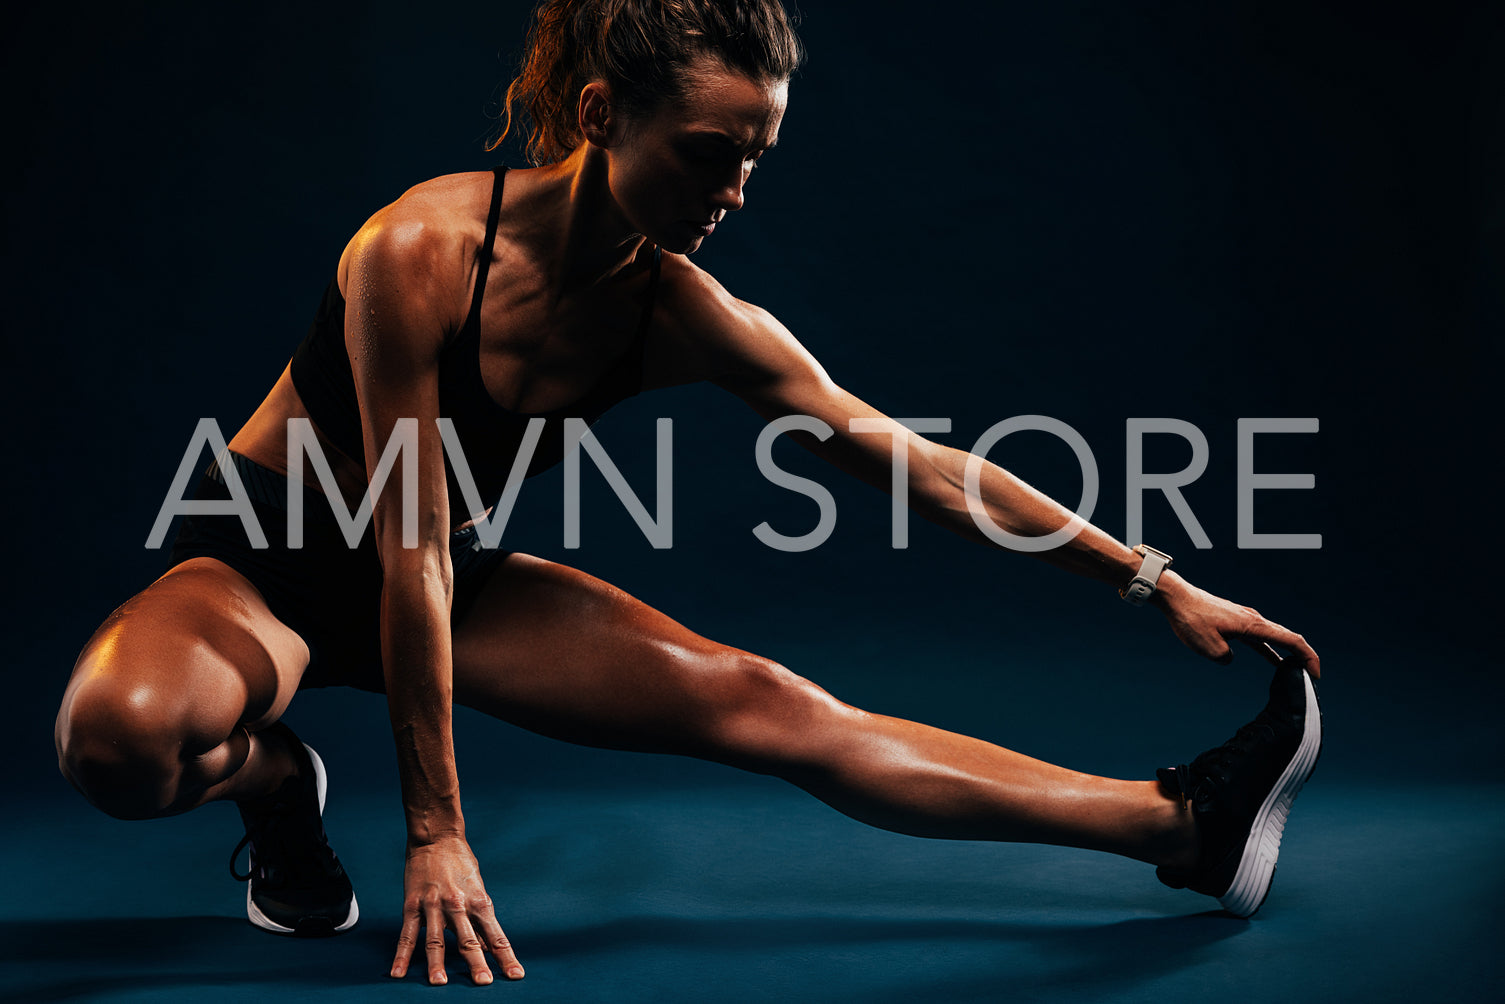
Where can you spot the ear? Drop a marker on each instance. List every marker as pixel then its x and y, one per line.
pixel 598 120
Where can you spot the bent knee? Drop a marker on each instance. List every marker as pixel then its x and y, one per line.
pixel 767 715
pixel 125 748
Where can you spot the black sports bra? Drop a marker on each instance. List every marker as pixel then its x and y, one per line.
pixel 322 375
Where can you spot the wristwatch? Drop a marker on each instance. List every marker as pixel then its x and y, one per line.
pixel 1142 586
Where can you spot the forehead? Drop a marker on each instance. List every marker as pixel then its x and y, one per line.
pixel 722 101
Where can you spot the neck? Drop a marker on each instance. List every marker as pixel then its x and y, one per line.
pixel 574 224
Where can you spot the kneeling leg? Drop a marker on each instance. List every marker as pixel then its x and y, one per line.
pixel 165 702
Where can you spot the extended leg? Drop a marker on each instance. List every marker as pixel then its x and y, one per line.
pixel 564 654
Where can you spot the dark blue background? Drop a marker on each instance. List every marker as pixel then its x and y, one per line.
pixel 1089 210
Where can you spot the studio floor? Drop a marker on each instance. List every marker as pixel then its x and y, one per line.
pixel 700 884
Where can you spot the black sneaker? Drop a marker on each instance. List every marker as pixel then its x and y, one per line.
pixel 296 884
pixel 1242 791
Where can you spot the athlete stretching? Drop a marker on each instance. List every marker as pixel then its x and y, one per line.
pixel 495 297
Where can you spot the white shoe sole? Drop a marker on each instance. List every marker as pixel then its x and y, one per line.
pixel 1256 868
pixel 261 920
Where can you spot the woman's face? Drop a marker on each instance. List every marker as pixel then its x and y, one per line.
pixel 678 170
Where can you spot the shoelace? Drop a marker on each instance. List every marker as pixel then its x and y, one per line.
pixel 235 856
pixel 1244 742
pixel 1212 768
pixel 280 840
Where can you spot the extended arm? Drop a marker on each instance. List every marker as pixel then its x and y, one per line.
pixel 751 354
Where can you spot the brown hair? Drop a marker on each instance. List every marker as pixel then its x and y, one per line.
pixel 640 49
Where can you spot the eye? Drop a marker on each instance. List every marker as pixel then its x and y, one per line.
pixel 710 153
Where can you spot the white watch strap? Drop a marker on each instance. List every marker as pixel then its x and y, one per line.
pixel 1143 585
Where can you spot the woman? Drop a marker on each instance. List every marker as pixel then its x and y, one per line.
pixel 489 299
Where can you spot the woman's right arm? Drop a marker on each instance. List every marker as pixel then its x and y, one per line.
pixel 401 289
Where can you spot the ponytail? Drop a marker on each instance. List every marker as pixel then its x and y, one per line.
pixel 640 49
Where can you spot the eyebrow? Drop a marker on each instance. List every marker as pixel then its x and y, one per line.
pixel 722 139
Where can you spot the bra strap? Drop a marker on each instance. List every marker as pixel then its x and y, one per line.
pixel 630 374
pixel 658 253
pixel 473 319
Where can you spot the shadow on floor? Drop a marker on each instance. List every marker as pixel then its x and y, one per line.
pixel 159 954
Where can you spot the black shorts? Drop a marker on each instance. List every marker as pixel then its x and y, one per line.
pixel 327 591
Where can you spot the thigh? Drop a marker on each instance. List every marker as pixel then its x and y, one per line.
pixel 324 590
pixel 562 653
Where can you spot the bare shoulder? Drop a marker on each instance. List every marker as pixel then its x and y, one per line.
pixel 716 336
pixel 697 305
pixel 422 246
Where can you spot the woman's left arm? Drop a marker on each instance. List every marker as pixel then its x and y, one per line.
pixel 755 357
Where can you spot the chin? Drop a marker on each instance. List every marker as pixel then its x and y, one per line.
pixel 678 237
pixel 679 244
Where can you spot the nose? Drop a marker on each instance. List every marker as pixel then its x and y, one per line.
pixel 728 196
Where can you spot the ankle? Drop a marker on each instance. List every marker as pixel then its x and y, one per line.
pixel 274 764
pixel 1189 857
pixel 1180 845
